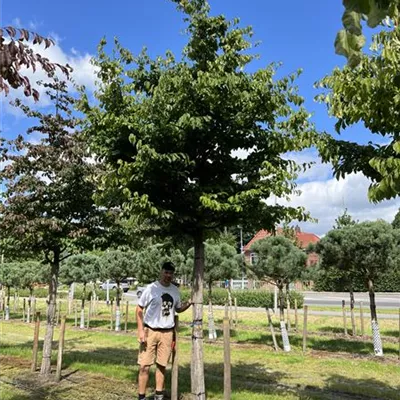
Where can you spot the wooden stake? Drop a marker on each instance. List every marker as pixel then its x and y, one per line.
pixel 60 349
pixel 344 317
pixel 362 318
pixel 34 306
pixel 35 342
pixel 175 363
pixel 296 317
pixel 111 316
pixel 58 313
pixel 305 310
pixel 236 312
pixel 126 316
pixel 227 360
pixel 88 317
pixel 76 314
pixel 288 314
pixel 271 327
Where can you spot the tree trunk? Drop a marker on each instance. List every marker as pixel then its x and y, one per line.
pixel 28 318
pixel 285 337
pixel 82 324
pixel 281 302
pixel 376 336
pixel 117 311
pixel 7 317
pixel 50 318
pixel 212 333
pixel 71 296
pixel 353 321
pixel 197 361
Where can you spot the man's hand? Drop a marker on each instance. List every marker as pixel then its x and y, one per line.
pixel 142 336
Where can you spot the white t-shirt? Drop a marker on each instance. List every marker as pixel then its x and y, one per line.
pixel 160 303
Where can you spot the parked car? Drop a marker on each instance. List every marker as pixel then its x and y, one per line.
pixel 124 285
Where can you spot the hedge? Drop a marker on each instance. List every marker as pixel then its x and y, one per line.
pixel 245 298
pixel 386 282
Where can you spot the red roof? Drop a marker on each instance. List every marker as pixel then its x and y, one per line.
pixel 303 238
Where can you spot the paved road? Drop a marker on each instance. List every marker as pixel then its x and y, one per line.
pixel 383 300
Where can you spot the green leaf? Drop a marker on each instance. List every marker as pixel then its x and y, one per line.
pixel 352 22
pixel 376 14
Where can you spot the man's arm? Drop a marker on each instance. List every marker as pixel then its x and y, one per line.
pixel 140 325
pixel 184 306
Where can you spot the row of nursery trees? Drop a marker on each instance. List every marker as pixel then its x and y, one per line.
pixel 222 262
pixel 156 150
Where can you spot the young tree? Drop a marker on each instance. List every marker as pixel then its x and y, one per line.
pixel 31 273
pixel 281 262
pixel 169 131
pixel 47 209
pixel 16 53
pixel 220 262
pixel 363 252
pixel 396 220
pixel 344 220
pixel 117 265
pixel 9 277
pixel 82 268
pixel 346 279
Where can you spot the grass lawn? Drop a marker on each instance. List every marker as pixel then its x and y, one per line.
pixel 99 363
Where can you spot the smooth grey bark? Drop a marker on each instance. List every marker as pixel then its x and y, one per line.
pixel 197 361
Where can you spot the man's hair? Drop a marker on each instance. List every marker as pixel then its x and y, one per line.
pixel 168 266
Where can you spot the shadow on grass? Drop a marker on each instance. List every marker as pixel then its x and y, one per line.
pixel 258 379
pixel 395 334
pixel 323 343
pixel 110 356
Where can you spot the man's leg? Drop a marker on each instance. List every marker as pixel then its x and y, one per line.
pixel 160 378
pixel 143 379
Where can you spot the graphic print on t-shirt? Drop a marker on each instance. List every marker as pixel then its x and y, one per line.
pixel 166 305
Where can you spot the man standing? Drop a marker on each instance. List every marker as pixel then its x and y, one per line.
pixel 156 328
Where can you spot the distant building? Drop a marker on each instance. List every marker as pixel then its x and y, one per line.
pixel 303 240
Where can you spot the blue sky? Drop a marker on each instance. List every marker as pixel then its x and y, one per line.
pixel 300 34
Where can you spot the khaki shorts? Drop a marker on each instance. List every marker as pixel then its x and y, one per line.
pixel 157 348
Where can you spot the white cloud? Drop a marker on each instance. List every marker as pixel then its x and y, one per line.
pixel 84 73
pixel 317 172
pixel 325 200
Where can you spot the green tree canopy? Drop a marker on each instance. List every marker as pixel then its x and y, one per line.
pixel 279 260
pixel 31 273
pixel 344 220
pixel 368 94
pixel 149 260
pixel 396 220
pixel 117 265
pixel 82 268
pixel 350 40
